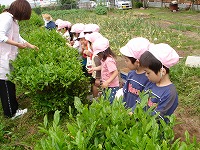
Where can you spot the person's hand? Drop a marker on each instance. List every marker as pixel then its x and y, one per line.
pixel 87 52
pixel 97 82
pixel 71 43
pixel 130 113
pixel 90 70
pixel 21 45
pixel 33 47
pixel 105 84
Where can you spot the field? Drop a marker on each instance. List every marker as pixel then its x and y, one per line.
pixel 180 29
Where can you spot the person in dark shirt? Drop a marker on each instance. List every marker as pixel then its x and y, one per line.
pixel 162 92
pixel 49 23
pixel 136 79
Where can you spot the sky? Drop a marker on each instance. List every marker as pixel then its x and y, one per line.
pixel 6 2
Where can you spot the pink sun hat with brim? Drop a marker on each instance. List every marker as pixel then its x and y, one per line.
pixel 165 54
pixel 100 45
pixel 64 24
pixel 77 28
pixel 91 28
pixel 93 36
pixel 58 21
pixel 82 35
pixel 135 47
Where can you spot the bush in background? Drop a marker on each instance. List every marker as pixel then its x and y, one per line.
pixel 101 10
pixel 138 4
pixel 2 7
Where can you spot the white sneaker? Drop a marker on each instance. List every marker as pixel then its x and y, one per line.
pixel 19 112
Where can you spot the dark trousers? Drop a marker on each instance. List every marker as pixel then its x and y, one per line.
pixel 8 98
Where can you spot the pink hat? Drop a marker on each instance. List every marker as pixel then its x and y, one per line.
pixel 91 28
pixel 100 45
pixel 165 54
pixel 64 24
pixel 58 21
pixel 82 35
pixel 78 28
pixel 93 36
pixel 135 47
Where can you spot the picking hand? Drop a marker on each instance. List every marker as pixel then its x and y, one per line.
pixel 33 47
pixel 105 84
pixel 21 45
pixel 90 70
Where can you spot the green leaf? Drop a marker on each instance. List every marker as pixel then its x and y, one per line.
pixel 56 117
pixel 78 104
pixel 45 121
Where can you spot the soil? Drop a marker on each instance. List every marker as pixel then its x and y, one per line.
pixel 184 119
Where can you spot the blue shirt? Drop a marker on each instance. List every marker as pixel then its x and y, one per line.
pixel 51 25
pixel 164 98
pixel 134 84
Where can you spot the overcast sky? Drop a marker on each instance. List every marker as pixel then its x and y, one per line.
pixel 6 2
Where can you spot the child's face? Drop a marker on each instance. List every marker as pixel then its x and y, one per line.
pixel 129 64
pixel 83 41
pixel 155 78
pixel 100 55
pixel 76 35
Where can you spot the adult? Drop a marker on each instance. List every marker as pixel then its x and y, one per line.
pixel 10 41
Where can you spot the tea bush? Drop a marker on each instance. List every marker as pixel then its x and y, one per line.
pixel 105 126
pixel 32 24
pixel 53 75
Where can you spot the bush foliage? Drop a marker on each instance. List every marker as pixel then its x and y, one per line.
pixel 101 10
pixel 52 75
pixel 105 126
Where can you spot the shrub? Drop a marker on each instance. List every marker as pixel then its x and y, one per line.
pixel 32 24
pixel 52 75
pixel 2 7
pixel 101 10
pixel 105 126
pixel 138 4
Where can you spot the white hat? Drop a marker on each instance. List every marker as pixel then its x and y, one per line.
pixel 100 45
pixel 91 28
pixel 78 28
pixel 135 47
pixel 165 54
pixel 93 36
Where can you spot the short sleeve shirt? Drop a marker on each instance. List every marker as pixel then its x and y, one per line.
pixel 133 86
pixel 165 99
pixel 107 68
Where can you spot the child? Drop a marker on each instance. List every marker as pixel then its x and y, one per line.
pixel 136 79
pixel 96 75
pixel 163 95
pixel 66 26
pixel 89 28
pixel 76 30
pixel 109 72
pixel 83 46
pixel 48 23
pixel 56 23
